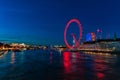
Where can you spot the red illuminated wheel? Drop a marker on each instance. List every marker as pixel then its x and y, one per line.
pixel 80 34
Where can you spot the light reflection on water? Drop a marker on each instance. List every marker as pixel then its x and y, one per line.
pixel 80 66
pixel 13 58
pixel 52 65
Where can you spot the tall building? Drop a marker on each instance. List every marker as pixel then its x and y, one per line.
pixel 99 34
pixel 115 36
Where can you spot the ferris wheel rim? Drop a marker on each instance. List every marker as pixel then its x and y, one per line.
pixel 65 32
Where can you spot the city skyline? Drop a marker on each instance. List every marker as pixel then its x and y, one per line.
pixel 40 22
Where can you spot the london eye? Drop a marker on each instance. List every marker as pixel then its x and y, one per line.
pixel 75 40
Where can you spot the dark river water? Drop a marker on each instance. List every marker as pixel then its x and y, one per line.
pixel 53 65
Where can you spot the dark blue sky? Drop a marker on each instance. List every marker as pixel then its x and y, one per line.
pixel 43 21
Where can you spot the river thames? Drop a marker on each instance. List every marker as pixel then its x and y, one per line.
pixel 53 65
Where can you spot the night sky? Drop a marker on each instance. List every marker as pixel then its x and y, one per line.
pixel 43 21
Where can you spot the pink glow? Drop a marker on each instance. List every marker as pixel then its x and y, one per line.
pixel 100 75
pixel 80 29
pixel 66 58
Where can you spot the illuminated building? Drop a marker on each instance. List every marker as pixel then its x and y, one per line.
pixel 90 37
pixel 105 45
pixel 22 45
